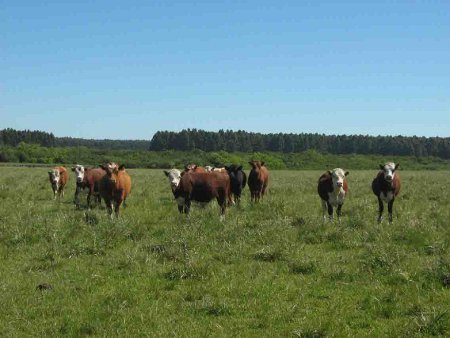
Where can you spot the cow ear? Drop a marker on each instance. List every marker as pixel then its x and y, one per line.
pixel 239 168
pixel 186 167
pixel 121 167
pixel 381 167
pixel 166 172
pixel 346 173
pixel 194 167
pixel 397 166
pixel 227 168
pixel 329 172
pixel 263 163
pixel 73 168
pixel 103 167
pixel 50 172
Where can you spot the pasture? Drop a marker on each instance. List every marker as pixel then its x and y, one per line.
pixel 268 270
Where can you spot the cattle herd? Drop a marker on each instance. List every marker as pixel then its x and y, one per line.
pixel 112 183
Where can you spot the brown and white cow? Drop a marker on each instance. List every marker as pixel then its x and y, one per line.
pixel 258 180
pixel 58 177
pixel 87 178
pixel 114 187
pixel 386 186
pixel 332 188
pixel 203 187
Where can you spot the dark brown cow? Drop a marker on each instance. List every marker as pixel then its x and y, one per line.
pixel 332 188
pixel 58 177
pixel 258 179
pixel 114 187
pixel 386 186
pixel 87 178
pixel 203 187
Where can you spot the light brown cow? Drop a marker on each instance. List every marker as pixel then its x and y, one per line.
pixel 114 187
pixel 58 177
pixel 258 180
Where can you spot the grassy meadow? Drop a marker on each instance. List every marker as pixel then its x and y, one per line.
pixel 268 270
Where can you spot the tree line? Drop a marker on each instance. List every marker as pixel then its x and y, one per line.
pixel 12 137
pixel 233 141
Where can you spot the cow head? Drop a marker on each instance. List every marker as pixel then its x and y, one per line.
pixel 112 170
pixel 389 170
pixel 338 177
pixel 79 172
pixel 208 168
pixel 190 167
pixel 54 177
pixel 174 176
pixel 256 164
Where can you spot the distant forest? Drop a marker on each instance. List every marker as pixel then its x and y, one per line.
pixel 246 142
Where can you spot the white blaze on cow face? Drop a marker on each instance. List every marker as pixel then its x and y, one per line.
pixel 174 176
pixel 79 173
pixel 389 171
pixel 338 176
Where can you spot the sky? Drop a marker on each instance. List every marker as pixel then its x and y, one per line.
pixel 126 69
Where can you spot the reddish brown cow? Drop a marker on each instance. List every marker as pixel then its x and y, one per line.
pixel 332 189
pixel 203 187
pixel 58 177
pixel 87 178
pixel 114 187
pixel 193 168
pixel 258 179
pixel 386 186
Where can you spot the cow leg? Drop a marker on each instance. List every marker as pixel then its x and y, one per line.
pixel 390 206
pixel 117 208
pixel 330 211
pixel 324 210
pixel 339 212
pixel 380 210
pixel 187 206
pixel 76 199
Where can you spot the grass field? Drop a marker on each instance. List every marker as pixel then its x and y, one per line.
pixel 268 270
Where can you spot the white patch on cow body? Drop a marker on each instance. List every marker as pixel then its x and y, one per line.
pixel 388 197
pixel 336 199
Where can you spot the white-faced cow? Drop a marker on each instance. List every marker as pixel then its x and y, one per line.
pixel 58 177
pixel 238 180
pixel 114 187
pixel 258 179
pixel 87 178
pixel 174 176
pixel 386 186
pixel 332 189
pixel 202 187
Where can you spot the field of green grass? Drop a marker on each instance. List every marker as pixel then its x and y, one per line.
pixel 268 270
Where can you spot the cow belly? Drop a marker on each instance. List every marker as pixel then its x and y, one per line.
pixel 336 200
pixel 387 196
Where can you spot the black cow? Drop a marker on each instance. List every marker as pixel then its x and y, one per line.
pixel 238 180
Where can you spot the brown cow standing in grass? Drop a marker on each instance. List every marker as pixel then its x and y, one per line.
pixel 203 187
pixel 386 186
pixel 114 187
pixel 258 179
pixel 58 177
pixel 87 178
pixel 332 189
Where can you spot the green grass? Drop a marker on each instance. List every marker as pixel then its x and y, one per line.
pixel 268 270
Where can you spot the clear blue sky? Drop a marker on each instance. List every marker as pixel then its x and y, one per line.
pixel 125 69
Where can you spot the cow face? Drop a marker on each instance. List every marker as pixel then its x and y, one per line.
pixel 79 173
pixel 389 170
pixel 190 167
pixel 174 176
pixel 338 177
pixel 112 170
pixel 54 177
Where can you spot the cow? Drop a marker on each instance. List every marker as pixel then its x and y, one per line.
pixel 258 179
pixel 114 187
pixel 87 178
pixel 386 186
pixel 208 168
pixel 203 187
pixel 332 188
pixel 58 177
pixel 238 180
pixel 174 176
pixel 193 168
